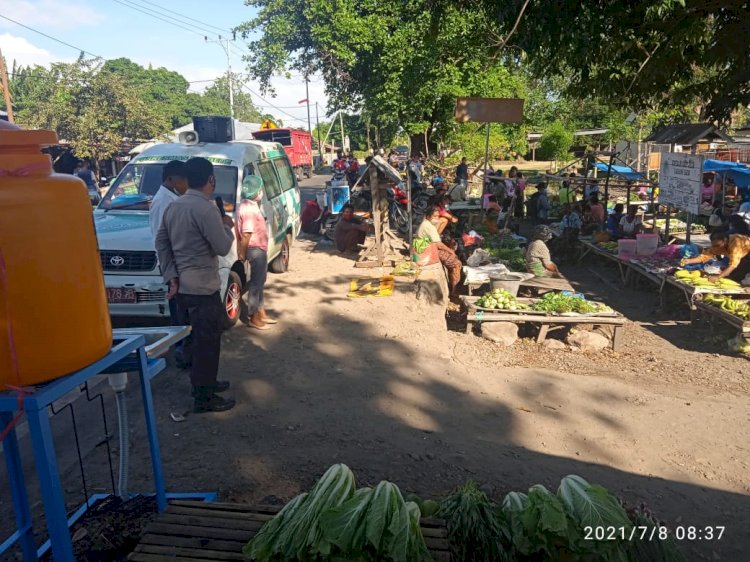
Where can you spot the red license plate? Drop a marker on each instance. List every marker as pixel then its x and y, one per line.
pixel 121 296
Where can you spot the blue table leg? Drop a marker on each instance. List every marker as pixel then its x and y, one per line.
pixel 18 490
pixel 153 436
pixel 49 481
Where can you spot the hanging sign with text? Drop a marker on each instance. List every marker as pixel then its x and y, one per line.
pixel 681 181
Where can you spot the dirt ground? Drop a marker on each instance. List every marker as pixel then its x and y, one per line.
pixel 384 386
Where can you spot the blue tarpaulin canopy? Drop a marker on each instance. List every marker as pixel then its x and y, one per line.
pixel 721 165
pixel 622 171
pixel 740 177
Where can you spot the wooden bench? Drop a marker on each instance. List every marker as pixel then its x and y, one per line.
pixel 191 531
pixel 547 322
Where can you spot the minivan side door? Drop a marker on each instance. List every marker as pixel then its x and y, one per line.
pixel 272 191
pixel 289 199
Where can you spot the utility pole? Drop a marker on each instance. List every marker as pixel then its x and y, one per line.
pixel 317 127
pixel 221 41
pixel 307 96
pixel 341 123
pixel 6 89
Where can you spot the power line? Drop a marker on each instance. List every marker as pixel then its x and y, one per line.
pixel 182 16
pixel 50 37
pixel 269 104
pixel 170 22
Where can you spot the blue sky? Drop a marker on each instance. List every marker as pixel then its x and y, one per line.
pixel 112 29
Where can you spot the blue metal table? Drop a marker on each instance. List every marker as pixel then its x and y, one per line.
pixel 129 350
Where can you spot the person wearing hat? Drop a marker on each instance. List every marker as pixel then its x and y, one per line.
pixel 538 259
pixel 547 276
pixel 538 204
pixel 252 246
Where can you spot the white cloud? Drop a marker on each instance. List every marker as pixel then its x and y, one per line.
pixel 49 14
pixel 25 53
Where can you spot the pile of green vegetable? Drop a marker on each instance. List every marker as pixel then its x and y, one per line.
pixel 500 299
pixel 541 525
pixel 335 521
pixel 560 304
pixel 514 258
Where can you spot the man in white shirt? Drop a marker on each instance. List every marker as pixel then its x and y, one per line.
pixel 173 184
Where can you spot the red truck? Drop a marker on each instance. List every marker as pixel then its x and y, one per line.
pixel 297 144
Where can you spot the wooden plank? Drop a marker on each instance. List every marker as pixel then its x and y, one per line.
pixel 595 320
pixel 143 557
pixel 193 542
pixel 211 522
pixel 192 531
pixel 731 319
pixel 219 513
pixel 224 506
pixel 189 552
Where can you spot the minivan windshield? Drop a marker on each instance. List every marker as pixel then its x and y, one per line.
pixel 137 184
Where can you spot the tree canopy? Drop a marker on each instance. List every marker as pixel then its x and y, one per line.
pixel 401 63
pixel 644 55
pixel 95 106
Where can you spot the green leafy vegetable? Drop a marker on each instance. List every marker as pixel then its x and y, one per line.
pixel 544 523
pixel 560 303
pixel 297 534
pixel 590 505
pixel 420 244
pixel 475 530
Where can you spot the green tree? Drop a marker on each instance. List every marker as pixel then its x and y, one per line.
pixel 215 101
pixel 402 64
pixel 555 142
pixel 645 55
pixel 93 110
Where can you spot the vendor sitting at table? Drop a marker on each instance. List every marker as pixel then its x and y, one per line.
pixel 735 247
pixel 613 221
pixel 539 262
pixel 631 224
pixel 448 258
pixel 594 217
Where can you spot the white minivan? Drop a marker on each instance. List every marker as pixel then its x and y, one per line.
pixel 131 271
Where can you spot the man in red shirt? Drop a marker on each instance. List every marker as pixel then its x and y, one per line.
pixel 252 246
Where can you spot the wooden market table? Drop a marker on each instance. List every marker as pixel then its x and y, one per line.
pixel 199 531
pixel 692 293
pixel 591 248
pixel 714 312
pixel 700 240
pixel 546 321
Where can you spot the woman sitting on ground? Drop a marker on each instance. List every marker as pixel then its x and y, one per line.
pixel 446 217
pixel 448 258
pixel 631 224
pixel 350 232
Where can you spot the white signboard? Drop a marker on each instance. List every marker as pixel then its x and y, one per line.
pixel 680 181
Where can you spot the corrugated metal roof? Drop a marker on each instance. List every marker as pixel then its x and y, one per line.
pixel 688 134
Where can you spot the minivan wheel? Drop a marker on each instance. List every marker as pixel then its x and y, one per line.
pixel 280 263
pixel 232 298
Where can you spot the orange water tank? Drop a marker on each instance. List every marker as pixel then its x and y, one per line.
pixel 53 306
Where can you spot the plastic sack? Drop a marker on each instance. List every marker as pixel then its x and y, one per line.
pixel 690 251
pixel 478 258
pixel 428 257
pixel 671 251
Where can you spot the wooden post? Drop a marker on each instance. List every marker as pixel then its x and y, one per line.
pixel 6 89
pixel 377 211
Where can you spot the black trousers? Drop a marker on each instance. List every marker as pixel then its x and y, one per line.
pixel 205 314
